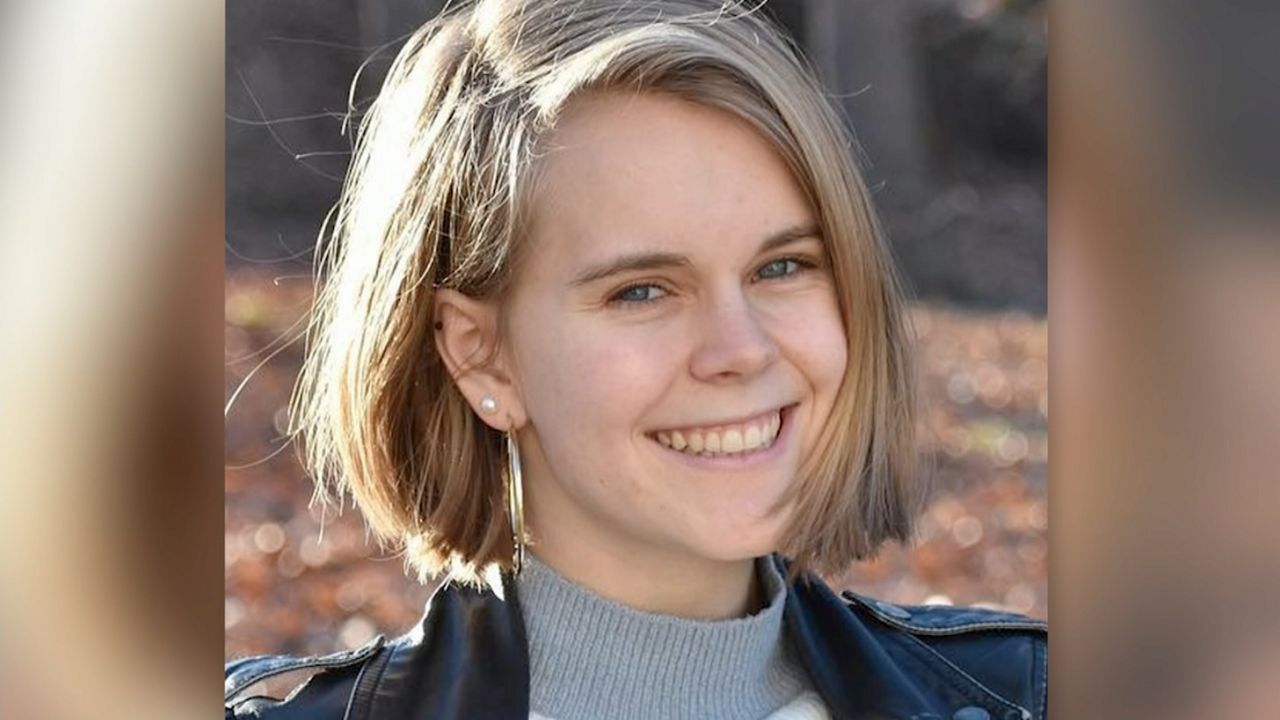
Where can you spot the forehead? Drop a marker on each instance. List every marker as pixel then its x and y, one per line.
pixel 645 171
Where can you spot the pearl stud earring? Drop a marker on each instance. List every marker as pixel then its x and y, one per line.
pixel 488 404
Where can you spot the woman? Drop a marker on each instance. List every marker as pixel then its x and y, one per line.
pixel 609 339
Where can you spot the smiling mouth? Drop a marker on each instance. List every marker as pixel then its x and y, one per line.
pixel 750 436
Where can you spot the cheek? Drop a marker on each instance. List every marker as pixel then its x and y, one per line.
pixel 592 381
pixel 812 335
pixel 830 351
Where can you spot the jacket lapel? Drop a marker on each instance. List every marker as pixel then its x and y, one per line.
pixel 848 666
pixel 467 658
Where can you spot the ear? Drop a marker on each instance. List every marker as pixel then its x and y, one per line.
pixel 468 341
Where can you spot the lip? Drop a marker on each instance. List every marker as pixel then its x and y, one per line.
pixel 722 423
pixel 738 461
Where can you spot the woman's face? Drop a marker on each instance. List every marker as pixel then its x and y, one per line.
pixel 676 296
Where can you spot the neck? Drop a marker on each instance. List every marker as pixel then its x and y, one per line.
pixel 689 587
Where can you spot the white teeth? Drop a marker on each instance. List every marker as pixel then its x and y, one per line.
pixel 731 441
pixel 712 442
pixel 725 441
pixel 677 440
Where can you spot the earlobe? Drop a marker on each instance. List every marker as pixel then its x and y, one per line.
pixel 467 339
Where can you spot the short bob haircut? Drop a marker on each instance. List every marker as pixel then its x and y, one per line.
pixel 444 169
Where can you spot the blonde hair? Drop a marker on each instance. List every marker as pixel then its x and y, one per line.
pixel 444 169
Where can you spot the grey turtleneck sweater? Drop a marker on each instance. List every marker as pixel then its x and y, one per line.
pixel 592 658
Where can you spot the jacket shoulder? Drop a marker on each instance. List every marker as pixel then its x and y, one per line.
pixel 942 620
pixel 1005 653
pixel 328 682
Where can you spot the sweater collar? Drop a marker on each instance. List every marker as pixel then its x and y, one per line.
pixel 592 657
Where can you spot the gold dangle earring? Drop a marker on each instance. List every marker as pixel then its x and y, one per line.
pixel 515 501
pixel 514 489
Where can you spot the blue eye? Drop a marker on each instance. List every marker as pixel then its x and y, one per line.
pixel 638 294
pixel 782 267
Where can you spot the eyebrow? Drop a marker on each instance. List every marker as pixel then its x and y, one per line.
pixel 655 260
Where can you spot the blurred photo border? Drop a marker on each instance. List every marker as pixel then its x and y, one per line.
pixel 1164 300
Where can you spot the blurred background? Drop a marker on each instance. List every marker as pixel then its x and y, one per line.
pixel 948 101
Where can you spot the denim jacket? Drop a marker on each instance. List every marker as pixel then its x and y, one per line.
pixel 468 658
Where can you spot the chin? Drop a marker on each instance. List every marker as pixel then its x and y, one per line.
pixel 732 545
pixel 741 540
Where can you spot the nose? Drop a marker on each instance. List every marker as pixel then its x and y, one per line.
pixel 734 342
